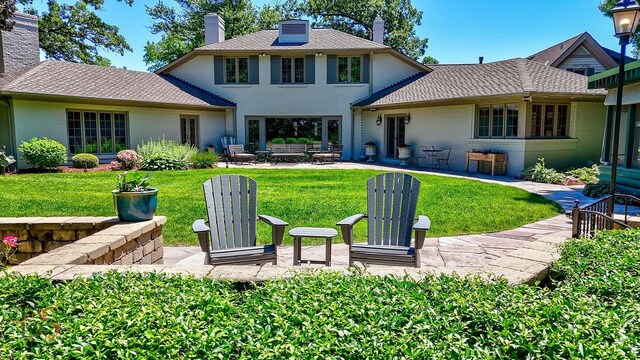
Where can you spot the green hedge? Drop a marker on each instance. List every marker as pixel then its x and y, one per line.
pixel 592 310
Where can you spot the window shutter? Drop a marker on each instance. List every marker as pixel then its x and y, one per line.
pixel 218 70
pixel 365 69
pixel 275 69
pixel 254 70
pixel 310 69
pixel 332 69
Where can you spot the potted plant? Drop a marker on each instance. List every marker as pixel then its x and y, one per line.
pixel 370 150
pixel 404 153
pixel 134 200
pixel 211 148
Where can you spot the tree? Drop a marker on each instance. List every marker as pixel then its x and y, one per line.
pixel 7 9
pixel 183 30
pixel 606 6
pixel 74 32
pixel 356 17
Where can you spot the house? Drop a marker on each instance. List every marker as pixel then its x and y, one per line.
pixel 301 82
pixel 581 54
pixel 628 174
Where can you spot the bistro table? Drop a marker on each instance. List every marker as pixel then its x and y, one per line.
pixel 299 232
pixel 432 157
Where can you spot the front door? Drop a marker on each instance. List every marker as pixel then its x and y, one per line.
pixel 395 135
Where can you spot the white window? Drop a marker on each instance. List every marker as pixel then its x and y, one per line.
pixel 497 121
pixel 236 70
pixel 96 132
pixel 189 130
pixel 292 70
pixel 349 69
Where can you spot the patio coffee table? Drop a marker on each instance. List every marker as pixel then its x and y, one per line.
pixel 310 232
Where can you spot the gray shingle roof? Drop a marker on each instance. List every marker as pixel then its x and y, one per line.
pixel 319 39
pixel 58 78
pixel 549 55
pixel 508 77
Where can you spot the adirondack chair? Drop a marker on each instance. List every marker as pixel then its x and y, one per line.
pixel 229 237
pixel 391 207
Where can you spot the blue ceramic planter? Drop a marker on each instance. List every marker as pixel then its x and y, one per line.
pixel 135 206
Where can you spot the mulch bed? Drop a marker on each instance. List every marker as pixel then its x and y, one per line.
pixel 61 169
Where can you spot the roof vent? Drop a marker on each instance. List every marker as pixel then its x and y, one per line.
pixel 294 31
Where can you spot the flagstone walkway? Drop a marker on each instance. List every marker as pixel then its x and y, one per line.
pixel 522 255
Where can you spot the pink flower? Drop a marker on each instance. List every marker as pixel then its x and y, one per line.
pixel 11 241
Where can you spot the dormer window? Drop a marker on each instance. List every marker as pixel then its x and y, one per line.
pixel 293 31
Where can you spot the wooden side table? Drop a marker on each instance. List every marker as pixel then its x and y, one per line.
pixel 310 232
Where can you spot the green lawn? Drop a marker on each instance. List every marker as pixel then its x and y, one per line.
pixel 300 197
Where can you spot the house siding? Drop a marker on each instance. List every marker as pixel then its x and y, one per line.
pixel 587 121
pixel 40 119
pixel 316 100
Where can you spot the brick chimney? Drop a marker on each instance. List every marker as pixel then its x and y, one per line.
pixel 20 46
pixel 378 30
pixel 213 29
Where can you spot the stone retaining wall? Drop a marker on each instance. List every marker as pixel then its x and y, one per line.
pixel 37 235
pixel 85 241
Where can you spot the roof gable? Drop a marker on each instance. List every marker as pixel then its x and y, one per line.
pixel 66 79
pixel 583 44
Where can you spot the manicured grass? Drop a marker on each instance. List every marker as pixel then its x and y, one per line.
pixel 591 311
pixel 300 197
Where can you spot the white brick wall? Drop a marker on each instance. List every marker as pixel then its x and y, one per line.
pixel 20 46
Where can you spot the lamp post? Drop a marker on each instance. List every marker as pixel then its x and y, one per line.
pixel 626 15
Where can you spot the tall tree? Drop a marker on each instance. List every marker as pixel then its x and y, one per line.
pixel 74 32
pixel 7 9
pixel 182 30
pixel 606 6
pixel 356 17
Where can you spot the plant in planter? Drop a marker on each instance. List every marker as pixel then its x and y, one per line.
pixel 404 153
pixel 134 200
pixel 370 150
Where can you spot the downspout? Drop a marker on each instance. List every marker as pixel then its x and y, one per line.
pixel 12 138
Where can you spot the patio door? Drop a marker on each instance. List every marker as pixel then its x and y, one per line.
pixel 189 130
pixel 395 135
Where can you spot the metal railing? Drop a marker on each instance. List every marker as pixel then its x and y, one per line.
pixel 600 215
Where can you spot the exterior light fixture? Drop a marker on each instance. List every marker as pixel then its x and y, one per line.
pixel 379 120
pixel 626 15
pixel 263 55
pixel 318 54
pixel 407 118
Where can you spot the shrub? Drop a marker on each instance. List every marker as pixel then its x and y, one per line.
pixel 596 190
pixel 168 149
pixel 128 159
pixel 540 173
pixel 277 141
pixel 43 153
pixel 588 175
pixel 291 141
pixel 591 311
pixel 204 160
pixel 305 141
pixel 85 161
pixel 161 162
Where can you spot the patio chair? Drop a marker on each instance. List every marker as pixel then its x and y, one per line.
pixel 226 141
pixel 421 156
pixel 444 159
pixel 391 205
pixel 229 237
pixel 237 152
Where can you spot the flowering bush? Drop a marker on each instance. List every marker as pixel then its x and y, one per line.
pixel 10 243
pixel 128 159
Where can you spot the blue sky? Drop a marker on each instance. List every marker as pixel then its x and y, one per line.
pixel 458 31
